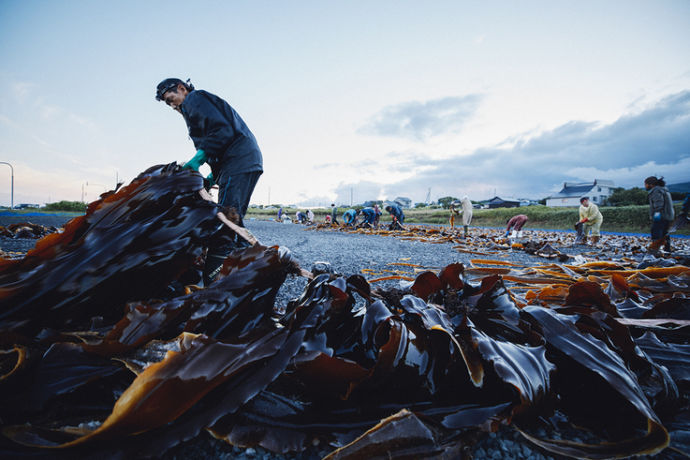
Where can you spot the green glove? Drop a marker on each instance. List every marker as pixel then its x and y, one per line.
pixel 196 161
pixel 210 180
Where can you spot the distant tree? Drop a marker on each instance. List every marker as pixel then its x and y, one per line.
pixel 542 201
pixel 419 205
pixel 446 201
pixel 627 197
pixel 73 206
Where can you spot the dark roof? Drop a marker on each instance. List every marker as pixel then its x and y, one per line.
pixel 573 190
pixel 500 200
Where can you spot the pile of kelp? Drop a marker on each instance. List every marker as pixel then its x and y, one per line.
pixel 105 353
pixel 26 230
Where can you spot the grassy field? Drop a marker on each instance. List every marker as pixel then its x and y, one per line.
pixel 633 219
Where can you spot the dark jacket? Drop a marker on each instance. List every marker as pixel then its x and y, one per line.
pixel 369 215
pixel 219 131
pixel 660 201
pixel 397 212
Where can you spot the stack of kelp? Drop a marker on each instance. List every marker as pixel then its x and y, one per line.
pixel 105 353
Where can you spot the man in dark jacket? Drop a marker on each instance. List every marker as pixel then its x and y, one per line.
pixel 222 140
pixel 397 215
pixel 660 212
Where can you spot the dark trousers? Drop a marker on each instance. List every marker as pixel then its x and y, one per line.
pixel 660 229
pixel 234 192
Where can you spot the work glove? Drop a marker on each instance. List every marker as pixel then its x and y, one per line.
pixel 196 161
pixel 209 181
pixel 657 217
pixel 506 234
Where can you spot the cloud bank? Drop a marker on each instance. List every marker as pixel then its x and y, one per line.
pixel 421 120
pixel 654 141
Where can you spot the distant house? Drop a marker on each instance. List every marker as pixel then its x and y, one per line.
pixel 597 192
pixel 497 202
pixel 27 206
pixel 403 202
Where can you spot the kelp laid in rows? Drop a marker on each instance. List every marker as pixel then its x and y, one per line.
pixel 26 230
pixel 105 352
pixel 541 243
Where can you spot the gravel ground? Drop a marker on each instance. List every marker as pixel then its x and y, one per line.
pixel 347 254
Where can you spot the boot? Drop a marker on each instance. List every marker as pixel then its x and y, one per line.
pixel 595 239
pixel 654 247
pixel 584 239
pixel 667 244
pixel 467 230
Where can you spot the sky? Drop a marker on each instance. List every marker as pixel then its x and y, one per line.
pixel 350 101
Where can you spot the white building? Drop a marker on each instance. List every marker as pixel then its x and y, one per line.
pixel 597 192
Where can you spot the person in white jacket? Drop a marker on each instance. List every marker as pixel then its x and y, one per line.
pixel 466 214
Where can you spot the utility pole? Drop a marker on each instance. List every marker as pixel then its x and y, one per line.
pixel 350 196
pixel 84 190
pixel 12 183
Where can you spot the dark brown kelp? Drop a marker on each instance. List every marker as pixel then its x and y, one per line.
pixel 105 354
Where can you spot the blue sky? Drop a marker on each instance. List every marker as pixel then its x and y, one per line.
pixel 380 99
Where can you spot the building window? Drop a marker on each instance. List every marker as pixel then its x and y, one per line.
pixel 598 189
pixel 594 198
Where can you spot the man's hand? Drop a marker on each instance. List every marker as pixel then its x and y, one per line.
pixel 196 161
pixel 657 217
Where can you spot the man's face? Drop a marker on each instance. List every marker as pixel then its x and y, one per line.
pixel 175 97
pixel 585 203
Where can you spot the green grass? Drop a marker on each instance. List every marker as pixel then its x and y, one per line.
pixel 633 219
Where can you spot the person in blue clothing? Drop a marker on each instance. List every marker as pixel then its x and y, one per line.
pixel 397 215
pixel 223 141
pixel 350 217
pixel 368 217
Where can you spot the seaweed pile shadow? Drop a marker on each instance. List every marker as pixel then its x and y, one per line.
pixel 104 351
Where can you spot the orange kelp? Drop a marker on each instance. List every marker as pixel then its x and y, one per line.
pixel 395 373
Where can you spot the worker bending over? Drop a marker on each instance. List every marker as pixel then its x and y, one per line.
pixel 350 217
pixel 223 140
pixel 516 223
pixel 591 219
pixel 397 215
pixel 368 217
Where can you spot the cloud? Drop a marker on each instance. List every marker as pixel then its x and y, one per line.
pixel 655 140
pixel 421 120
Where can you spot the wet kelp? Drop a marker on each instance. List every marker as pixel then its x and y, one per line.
pixel 586 361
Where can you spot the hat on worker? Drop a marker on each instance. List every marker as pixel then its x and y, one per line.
pixel 170 83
